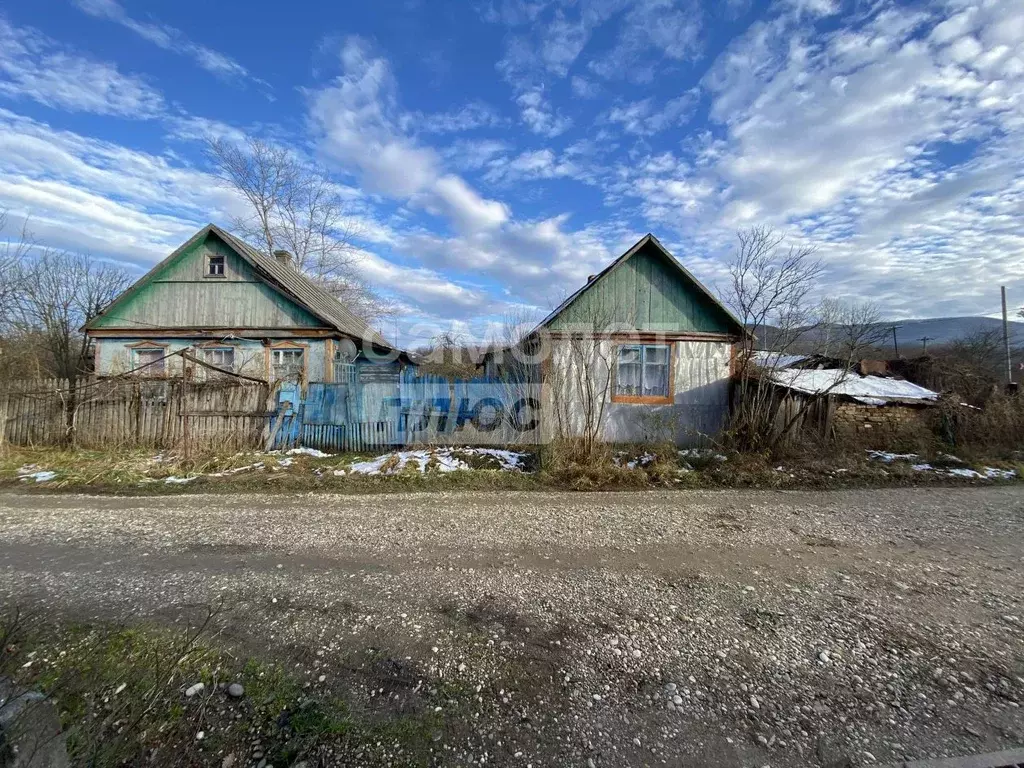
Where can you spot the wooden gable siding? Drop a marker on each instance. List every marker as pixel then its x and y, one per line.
pixel 644 293
pixel 180 296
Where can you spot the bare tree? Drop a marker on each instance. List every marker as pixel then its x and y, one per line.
pixel 295 206
pixel 13 251
pixel 578 377
pixel 770 290
pixel 770 285
pixel 59 293
pixel 849 330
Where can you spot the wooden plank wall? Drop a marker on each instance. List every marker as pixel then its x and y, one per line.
pixel 226 415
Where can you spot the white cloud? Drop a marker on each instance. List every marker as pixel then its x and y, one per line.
pixel 651 29
pixel 534 164
pixel 466 207
pixel 556 36
pixel 85 194
pixel 584 88
pixel 36 67
pixel 358 119
pixel 814 8
pixel 471 116
pixel 539 115
pixel 168 38
pixel 359 122
pixel 644 118
pixel 474 154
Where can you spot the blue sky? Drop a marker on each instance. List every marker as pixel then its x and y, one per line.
pixel 495 153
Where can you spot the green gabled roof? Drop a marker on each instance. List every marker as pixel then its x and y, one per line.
pixel 683 274
pixel 286 280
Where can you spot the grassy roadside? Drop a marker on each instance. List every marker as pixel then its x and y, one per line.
pixel 159 696
pixel 144 473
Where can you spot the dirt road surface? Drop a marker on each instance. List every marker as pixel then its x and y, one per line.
pixel 727 628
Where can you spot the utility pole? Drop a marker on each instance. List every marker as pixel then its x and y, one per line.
pixel 924 343
pixel 1006 338
pixel 895 345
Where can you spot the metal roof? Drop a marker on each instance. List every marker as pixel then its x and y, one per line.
pixel 289 281
pixel 767 359
pixel 870 390
pixel 303 290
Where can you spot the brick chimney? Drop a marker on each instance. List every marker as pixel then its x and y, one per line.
pixel 284 258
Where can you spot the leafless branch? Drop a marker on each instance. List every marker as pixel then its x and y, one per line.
pixel 294 205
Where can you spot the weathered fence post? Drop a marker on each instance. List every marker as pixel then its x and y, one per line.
pixel 3 420
pixel 183 412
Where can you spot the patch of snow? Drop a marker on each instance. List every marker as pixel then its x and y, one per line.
pixel 284 463
pixel 509 460
pixel 922 467
pixel 888 458
pixel 174 480
pixel 308 452
pixel 871 390
pixel 963 472
pixel 702 453
pixel 1000 474
pixel 766 359
pixel 439 459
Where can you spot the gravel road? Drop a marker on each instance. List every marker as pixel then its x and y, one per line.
pixel 726 628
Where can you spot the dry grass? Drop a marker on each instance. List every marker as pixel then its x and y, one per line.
pixel 811 464
pixel 120 695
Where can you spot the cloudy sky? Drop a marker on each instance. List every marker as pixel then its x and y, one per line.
pixel 496 152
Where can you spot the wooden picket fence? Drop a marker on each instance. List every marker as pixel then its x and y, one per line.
pixel 126 413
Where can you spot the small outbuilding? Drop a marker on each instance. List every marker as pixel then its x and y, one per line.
pixel 839 401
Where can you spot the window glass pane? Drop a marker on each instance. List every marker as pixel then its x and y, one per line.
pixel 656 371
pixel 152 359
pixel 221 358
pixel 629 355
pixel 627 373
pixel 216 265
pixel 287 363
pixel 656 354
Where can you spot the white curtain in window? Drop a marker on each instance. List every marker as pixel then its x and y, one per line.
pixel 628 371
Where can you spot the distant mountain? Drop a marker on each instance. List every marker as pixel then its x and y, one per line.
pixel 939 330
pixel 943 330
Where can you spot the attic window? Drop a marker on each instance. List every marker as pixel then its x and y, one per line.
pixel 215 265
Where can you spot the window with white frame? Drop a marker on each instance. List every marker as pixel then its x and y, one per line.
pixel 643 371
pixel 215 265
pixel 149 361
pixel 220 357
pixel 287 362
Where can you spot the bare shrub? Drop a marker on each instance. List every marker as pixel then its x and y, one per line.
pixel 997 428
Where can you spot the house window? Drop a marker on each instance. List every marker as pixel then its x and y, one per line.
pixel 150 361
pixel 288 363
pixel 220 357
pixel 643 373
pixel 215 265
